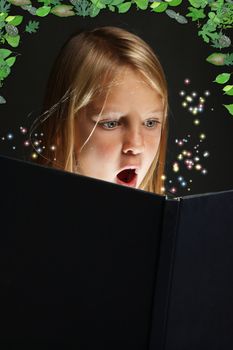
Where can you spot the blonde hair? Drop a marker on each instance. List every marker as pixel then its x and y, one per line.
pixel 86 61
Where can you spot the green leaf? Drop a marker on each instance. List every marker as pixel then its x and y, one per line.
pixel 14 20
pixel 229 108
pixel 116 2
pixel 222 78
pixel 111 8
pixel 228 90
pixel 2 100
pixel 10 61
pixel 122 8
pixel 107 2
pixel 98 4
pixel 142 4
pixel 3 16
pixel 12 40
pixel 228 59
pixel 94 11
pixel 43 11
pixel 174 2
pixel 4 6
pixel 159 7
pixel 20 2
pixel 32 27
pixel 4 71
pixel 63 10
pixel 227 87
pixel 198 3
pixel 195 14
pixel 4 53
pixel 216 58
pixel 46 2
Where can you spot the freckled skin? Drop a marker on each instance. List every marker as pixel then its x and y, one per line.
pixel 130 141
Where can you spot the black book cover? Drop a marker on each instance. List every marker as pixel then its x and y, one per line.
pixel 88 264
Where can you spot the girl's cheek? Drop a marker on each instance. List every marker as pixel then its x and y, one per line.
pixel 106 146
pixel 107 150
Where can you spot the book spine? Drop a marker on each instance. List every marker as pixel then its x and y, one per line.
pixel 163 278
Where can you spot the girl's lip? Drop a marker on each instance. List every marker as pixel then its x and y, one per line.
pixel 132 183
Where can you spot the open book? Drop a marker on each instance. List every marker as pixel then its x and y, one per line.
pixel 87 264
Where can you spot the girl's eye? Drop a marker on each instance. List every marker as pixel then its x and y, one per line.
pixel 151 123
pixel 109 125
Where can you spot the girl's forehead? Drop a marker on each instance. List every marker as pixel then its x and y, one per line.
pixel 123 76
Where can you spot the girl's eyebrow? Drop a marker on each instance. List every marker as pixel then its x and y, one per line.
pixel 121 114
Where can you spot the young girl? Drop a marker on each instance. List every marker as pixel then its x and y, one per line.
pixel 106 110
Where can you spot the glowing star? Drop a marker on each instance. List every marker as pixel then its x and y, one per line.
pixel 180 178
pixel 183 184
pixel 173 190
pixel 196 122
pixel 206 93
pixel 202 136
pixel 53 148
pixel 182 93
pixel 187 81
pixel 206 154
pixel 26 143
pixel 175 167
pixel 180 157
pixel 194 94
pixel 189 99
pixel 10 136
pixel 163 177
pixel 23 130
pixel 163 189
pixel 180 143
pixel 204 171
pixel 184 104
pixel 198 166
pixel 34 155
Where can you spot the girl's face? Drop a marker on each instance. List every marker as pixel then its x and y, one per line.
pixel 127 134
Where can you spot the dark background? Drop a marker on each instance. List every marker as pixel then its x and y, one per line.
pixel 182 54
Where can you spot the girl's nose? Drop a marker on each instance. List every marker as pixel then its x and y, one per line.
pixel 133 142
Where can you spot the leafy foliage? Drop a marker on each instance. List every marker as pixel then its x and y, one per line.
pixel 213 18
pixel 32 27
pixel 82 7
pixel 4 6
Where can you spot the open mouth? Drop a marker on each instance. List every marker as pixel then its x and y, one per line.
pixel 127 177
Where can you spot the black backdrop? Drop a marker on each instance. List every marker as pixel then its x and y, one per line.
pixel 182 54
